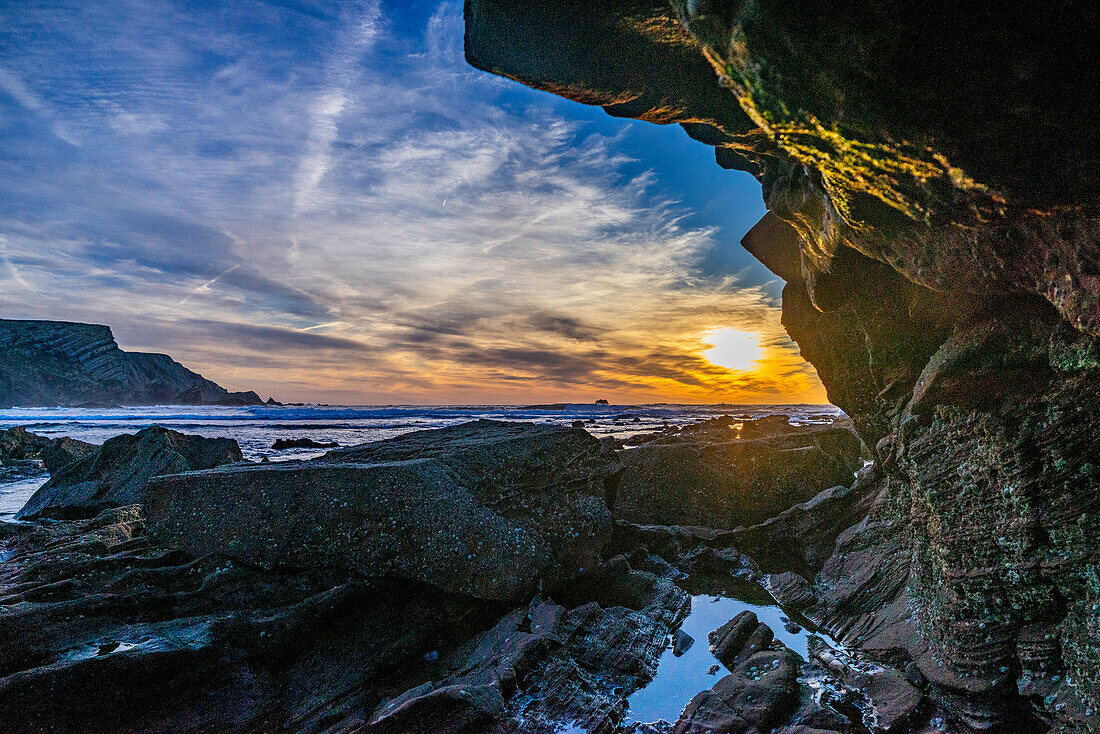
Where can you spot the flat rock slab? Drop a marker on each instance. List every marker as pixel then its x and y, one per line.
pixel 714 479
pixel 489 510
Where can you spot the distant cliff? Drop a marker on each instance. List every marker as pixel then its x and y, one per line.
pixel 49 363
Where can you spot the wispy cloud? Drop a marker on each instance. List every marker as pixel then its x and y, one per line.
pixel 261 192
pixel 340 77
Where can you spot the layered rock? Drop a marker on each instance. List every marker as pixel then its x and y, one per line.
pixel 546 663
pixel 48 363
pixel 440 580
pixel 105 630
pixel 936 224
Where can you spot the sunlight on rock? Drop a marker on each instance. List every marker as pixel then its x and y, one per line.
pixel 734 349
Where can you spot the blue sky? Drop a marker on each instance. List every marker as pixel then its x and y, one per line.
pixel 325 202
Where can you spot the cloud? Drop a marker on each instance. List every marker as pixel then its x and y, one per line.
pixel 318 205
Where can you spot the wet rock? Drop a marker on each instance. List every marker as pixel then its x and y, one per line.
pixel 577 424
pixel 894 701
pixel 302 443
pixel 728 482
pixel 790 626
pixel 759 694
pixel 487 509
pixel 136 636
pixel 119 472
pixel 551 663
pixel 138 633
pixel 739 639
pixel 453 709
pixel 790 590
pixel 681 642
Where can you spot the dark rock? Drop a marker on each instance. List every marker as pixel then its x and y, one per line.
pixel 726 482
pixel 302 443
pixel 769 425
pixel 790 590
pixel 952 313
pixel 577 424
pixel 740 638
pixel 914 676
pixel 63 363
pixel 894 701
pixel 613 443
pixel 488 509
pixel 18 444
pixel 601 401
pixel 759 694
pixel 681 642
pixel 547 663
pixel 135 636
pixel 136 633
pixel 448 709
pixel 119 472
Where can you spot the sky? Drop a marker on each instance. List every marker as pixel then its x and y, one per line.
pixel 325 202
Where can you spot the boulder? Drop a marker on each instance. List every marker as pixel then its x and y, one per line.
pixel 714 479
pixel 19 444
pixel 739 639
pixel 759 694
pixel 768 425
pixel 118 472
pixel 487 509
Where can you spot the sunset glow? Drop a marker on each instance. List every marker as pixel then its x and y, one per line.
pixel 735 350
pixel 385 226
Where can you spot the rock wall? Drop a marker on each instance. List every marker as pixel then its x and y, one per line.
pixel 932 194
pixel 62 363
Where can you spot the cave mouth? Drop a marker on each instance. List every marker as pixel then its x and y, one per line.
pixel 939 241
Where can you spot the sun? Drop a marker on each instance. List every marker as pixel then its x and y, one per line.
pixel 733 349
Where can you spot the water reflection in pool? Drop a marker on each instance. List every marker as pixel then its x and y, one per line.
pixel 679 678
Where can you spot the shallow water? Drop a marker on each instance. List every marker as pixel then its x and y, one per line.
pixel 13 495
pixel 678 679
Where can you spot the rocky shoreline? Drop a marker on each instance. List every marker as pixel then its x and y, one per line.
pixel 61 363
pixel 488 577
pixel 938 235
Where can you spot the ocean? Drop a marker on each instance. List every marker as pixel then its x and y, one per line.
pixel 256 428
